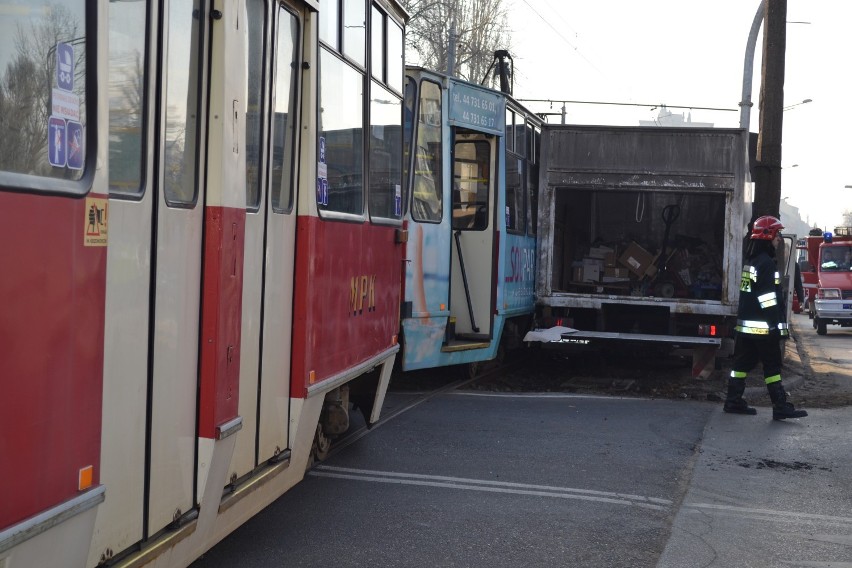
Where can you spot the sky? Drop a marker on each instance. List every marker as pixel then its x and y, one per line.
pixel 690 53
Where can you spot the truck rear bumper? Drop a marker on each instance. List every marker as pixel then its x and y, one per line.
pixel 577 336
pixel 704 349
pixel 833 310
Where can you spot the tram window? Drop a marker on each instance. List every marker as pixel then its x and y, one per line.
pixel 385 154
pixel 407 133
pixel 387 58
pixel 355 31
pixel 427 195
pixel 284 112
pixel 341 140
pixel 127 64
pixel 532 189
pixel 535 141
pixel 515 212
pixel 471 181
pixel 377 45
pixel 329 18
pixel 396 56
pixel 43 82
pixel 181 103
pixel 254 109
pixel 520 136
pixel 510 130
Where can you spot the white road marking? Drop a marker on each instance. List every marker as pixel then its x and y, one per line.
pixel 544 395
pixel 655 503
pixel 491 486
pixel 771 514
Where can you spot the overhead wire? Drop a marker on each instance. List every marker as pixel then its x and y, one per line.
pixel 563 38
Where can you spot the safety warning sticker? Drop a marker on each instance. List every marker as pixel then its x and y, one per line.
pixel 95 234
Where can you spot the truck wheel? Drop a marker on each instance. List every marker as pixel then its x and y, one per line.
pixel 820 326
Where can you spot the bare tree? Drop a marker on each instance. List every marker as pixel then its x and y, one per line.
pixel 481 27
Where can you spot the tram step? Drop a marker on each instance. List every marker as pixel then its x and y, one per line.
pixel 464 345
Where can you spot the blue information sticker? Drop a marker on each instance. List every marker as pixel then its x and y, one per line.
pixel 76 151
pixel 65 66
pixel 56 138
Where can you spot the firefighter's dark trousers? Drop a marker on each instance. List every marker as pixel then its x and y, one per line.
pixel 751 349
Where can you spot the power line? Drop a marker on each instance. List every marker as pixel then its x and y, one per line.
pixel 652 106
pixel 563 38
pixel 558 15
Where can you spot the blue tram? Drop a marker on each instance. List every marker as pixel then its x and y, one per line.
pixel 472 179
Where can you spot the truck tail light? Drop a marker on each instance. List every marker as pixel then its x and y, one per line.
pixel 708 330
pixel 828 294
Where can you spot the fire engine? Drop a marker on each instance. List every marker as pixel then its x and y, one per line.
pixel 825 262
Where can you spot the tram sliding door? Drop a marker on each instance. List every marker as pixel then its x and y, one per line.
pixel 267 314
pixel 178 226
pixel 472 283
pixel 132 59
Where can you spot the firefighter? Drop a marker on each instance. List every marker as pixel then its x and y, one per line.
pixel 760 323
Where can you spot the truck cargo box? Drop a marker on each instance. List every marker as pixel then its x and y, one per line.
pixel 641 229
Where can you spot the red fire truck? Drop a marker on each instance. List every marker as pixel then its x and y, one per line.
pixel 825 262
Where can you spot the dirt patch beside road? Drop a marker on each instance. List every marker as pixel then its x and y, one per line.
pixel 609 371
pixel 811 380
pixel 827 383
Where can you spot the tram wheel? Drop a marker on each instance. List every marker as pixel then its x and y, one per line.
pixel 321 446
pixel 473 370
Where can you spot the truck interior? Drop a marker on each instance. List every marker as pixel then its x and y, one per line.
pixel 639 243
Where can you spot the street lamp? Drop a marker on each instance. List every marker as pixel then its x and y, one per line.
pixel 748 65
pixel 797 104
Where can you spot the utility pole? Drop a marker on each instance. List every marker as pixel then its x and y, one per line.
pixel 767 187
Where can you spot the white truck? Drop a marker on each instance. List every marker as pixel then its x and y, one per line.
pixel 640 236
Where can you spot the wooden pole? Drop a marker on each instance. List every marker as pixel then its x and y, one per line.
pixel 767 189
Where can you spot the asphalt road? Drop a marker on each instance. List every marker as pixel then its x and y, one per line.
pixel 478 479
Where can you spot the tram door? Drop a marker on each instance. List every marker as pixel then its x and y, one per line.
pixel 178 225
pixel 472 281
pixel 267 314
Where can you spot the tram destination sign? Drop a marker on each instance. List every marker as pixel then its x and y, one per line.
pixel 477 108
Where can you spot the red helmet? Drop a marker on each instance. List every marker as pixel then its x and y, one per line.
pixel 765 228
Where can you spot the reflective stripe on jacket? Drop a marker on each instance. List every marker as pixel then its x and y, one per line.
pixel 761 302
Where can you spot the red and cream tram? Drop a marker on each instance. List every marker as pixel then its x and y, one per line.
pixel 201 227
